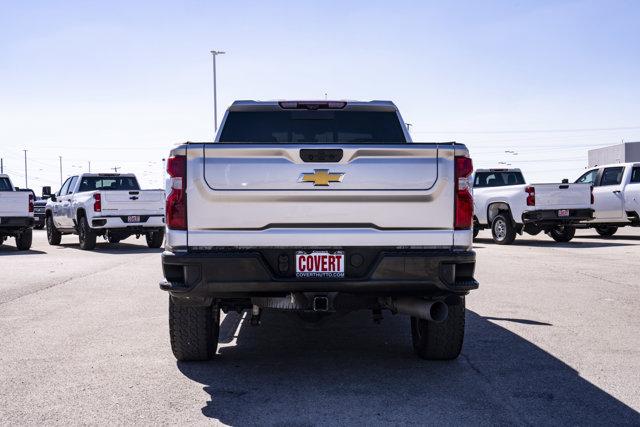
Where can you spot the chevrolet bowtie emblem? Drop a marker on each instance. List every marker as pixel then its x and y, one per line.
pixel 321 177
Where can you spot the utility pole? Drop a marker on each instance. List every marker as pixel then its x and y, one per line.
pixel 89 166
pixel 60 158
pixel 1 165
pixel 26 185
pixel 215 53
pixel 115 168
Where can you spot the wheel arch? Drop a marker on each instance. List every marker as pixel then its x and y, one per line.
pixel 495 208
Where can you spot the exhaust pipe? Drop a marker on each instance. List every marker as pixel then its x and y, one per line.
pixel 435 311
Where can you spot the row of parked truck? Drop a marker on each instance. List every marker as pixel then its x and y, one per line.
pixel 114 207
pixel 315 207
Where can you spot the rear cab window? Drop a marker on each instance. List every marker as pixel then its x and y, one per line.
pixel 635 175
pixel 102 183
pixel 312 126
pixel 498 179
pixel 5 184
pixel 588 177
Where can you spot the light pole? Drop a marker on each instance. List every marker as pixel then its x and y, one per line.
pixel 60 158
pixel 215 53
pixel 25 169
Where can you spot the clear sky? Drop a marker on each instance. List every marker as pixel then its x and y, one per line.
pixel 118 83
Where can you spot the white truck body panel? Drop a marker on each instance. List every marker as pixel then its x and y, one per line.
pixel 547 197
pixel 615 198
pixel 116 205
pixel 390 195
pixel 14 203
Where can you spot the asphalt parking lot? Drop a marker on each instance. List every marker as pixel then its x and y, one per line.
pixel 552 338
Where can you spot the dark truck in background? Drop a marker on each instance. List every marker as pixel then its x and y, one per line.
pixel 315 208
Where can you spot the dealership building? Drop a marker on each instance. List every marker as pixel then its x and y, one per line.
pixel 618 153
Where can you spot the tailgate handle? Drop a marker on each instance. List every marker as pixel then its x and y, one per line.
pixel 321 155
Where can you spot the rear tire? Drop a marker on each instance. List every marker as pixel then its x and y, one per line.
pixel 476 230
pixel 155 238
pixel 193 331
pixel 53 235
pixel 563 234
pixel 39 226
pixel 23 241
pixel 439 341
pixel 503 230
pixel 86 235
pixel 606 231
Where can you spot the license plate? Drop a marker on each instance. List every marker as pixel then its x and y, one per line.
pixel 320 264
pixel 133 218
pixel 563 212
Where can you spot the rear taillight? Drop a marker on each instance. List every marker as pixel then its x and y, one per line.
pixel 593 199
pixel 30 203
pixel 464 199
pixel 531 195
pixel 97 202
pixel 176 211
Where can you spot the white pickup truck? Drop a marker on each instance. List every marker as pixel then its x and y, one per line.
pixel 315 208
pixel 616 192
pixel 505 203
pixel 16 214
pixel 108 205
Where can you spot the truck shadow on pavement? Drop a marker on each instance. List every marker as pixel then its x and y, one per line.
pixel 11 250
pixel 576 243
pixel 116 248
pixel 350 371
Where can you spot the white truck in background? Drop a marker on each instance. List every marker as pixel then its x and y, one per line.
pixel 318 207
pixel 506 204
pixel 105 204
pixel 16 214
pixel 616 192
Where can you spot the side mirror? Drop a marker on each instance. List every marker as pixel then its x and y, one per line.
pixel 565 181
pixel 53 198
pixel 46 191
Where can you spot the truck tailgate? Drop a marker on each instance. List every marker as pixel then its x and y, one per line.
pixel 281 189
pixel 14 203
pixel 133 202
pixel 563 196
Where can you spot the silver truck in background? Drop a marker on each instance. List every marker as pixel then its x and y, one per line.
pixel 16 214
pixel 315 208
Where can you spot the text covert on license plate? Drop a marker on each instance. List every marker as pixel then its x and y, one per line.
pixel 563 212
pixel 319 264
pixel 133 218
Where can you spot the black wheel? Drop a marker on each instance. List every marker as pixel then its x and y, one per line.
pixel 439 341
pixel 39 226
pixel 606 231
pixel 23 240
pixel 503 230
pixel 476 230
pixel 112 239
pixel 86 235
pixel 193 331
pixel 155 238
pixel 53 235
pixel 563 234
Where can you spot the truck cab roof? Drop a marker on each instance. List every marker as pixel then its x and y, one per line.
pixel 498 170
pixel 276 105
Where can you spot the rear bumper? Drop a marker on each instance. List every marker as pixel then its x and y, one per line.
pixel 550 216
pixel 383 271
pixel 120 222
pixel 15 223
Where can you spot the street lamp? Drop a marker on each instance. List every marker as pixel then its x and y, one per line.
pixel 215 53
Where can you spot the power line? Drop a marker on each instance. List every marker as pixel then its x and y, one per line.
pixel 533 130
